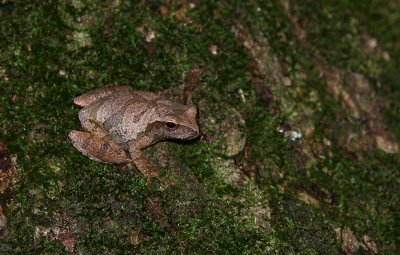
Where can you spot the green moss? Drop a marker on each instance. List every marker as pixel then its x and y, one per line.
pixel 53 52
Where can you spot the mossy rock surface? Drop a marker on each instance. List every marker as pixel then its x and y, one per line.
pixel 298 107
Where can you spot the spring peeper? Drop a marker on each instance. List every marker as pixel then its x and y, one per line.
pixel 118 122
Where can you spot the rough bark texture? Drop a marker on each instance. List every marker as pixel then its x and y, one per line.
pixel 298 110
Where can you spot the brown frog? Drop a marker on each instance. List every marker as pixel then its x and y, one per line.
pixel 117 120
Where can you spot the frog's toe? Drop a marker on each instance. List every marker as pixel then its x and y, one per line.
pixel 98 148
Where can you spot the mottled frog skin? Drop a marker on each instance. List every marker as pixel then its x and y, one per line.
pixel 118 122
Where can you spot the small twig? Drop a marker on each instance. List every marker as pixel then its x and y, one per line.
pixel 190 81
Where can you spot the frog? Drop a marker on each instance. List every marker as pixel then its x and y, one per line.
pixel 118 122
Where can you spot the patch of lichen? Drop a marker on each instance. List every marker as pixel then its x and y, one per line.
pixel 55 51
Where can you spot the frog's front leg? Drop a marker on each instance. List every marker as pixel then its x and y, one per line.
pixel 97 144
pixel 138 158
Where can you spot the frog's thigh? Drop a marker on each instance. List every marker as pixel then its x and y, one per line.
pixel 97 94
pixel 98 147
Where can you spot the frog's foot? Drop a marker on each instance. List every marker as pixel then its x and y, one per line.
pixel 138 158
pixel 147 169
pixel 98 147
pixel 144 166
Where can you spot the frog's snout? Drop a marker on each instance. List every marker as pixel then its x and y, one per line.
pixel 196 131
pixel 193 133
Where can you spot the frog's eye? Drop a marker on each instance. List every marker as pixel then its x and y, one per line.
pixel 171 125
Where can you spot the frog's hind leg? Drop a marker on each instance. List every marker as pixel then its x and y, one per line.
pixel 98 147
pixel 95 95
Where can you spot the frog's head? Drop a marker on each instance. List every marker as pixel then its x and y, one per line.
pixel 176 121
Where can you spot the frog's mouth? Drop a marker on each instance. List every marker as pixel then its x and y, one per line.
pixel 181 132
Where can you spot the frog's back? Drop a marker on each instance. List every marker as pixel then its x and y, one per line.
pixel 109 105
pixel 95 95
